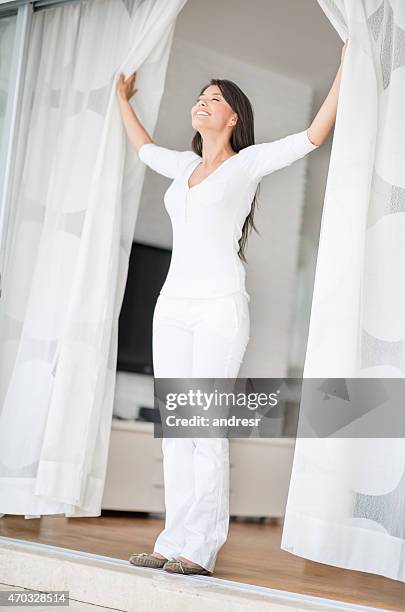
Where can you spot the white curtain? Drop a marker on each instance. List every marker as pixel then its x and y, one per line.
pixel 75 203
pixel 346 503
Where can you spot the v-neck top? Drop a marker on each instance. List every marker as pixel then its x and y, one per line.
pixel 207 218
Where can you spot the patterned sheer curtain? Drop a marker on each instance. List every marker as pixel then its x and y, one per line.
pixel 75 202
pixel 346 504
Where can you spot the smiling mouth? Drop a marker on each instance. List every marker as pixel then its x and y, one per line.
pixel 202 114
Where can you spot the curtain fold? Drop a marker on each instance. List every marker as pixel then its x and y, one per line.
pixel 346 503
pixel 76 203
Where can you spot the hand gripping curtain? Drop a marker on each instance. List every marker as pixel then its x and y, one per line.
pixel 346 503
pixel 74 210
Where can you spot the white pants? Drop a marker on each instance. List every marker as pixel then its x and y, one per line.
pixel 197 338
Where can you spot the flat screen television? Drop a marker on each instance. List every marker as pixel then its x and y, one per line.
pixel 148 267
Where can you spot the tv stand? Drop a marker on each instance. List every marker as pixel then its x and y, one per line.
pixel 260 470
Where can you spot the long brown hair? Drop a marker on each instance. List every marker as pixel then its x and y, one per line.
pixel 243 135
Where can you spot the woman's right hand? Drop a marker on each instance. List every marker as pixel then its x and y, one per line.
pixel 125 87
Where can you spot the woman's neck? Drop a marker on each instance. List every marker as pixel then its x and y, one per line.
pixel 215 150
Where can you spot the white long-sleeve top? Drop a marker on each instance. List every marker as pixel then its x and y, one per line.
pixel 207 219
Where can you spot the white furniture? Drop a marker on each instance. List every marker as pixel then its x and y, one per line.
pixel 259 472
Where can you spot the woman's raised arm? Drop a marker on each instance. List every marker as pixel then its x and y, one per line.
pixel 137 134
pixel 167 162
pixel 323 123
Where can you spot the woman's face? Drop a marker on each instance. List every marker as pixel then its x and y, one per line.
pixel 212 112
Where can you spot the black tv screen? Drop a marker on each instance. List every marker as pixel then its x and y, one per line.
pixel 148 267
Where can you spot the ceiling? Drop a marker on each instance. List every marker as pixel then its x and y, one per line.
pixel 292 37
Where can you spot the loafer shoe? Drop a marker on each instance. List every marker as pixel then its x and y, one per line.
pixel 181 567
pixel 146 560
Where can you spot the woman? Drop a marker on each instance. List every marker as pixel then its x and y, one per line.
pixel 201 318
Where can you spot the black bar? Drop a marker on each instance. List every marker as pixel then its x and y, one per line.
pixel 44 4
pixel 10 8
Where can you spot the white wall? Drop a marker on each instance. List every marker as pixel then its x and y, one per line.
pixel 317 172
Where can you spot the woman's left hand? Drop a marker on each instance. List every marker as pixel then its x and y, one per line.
pixel 344 49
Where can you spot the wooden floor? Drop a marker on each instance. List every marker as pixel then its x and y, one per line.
pixel 117 534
